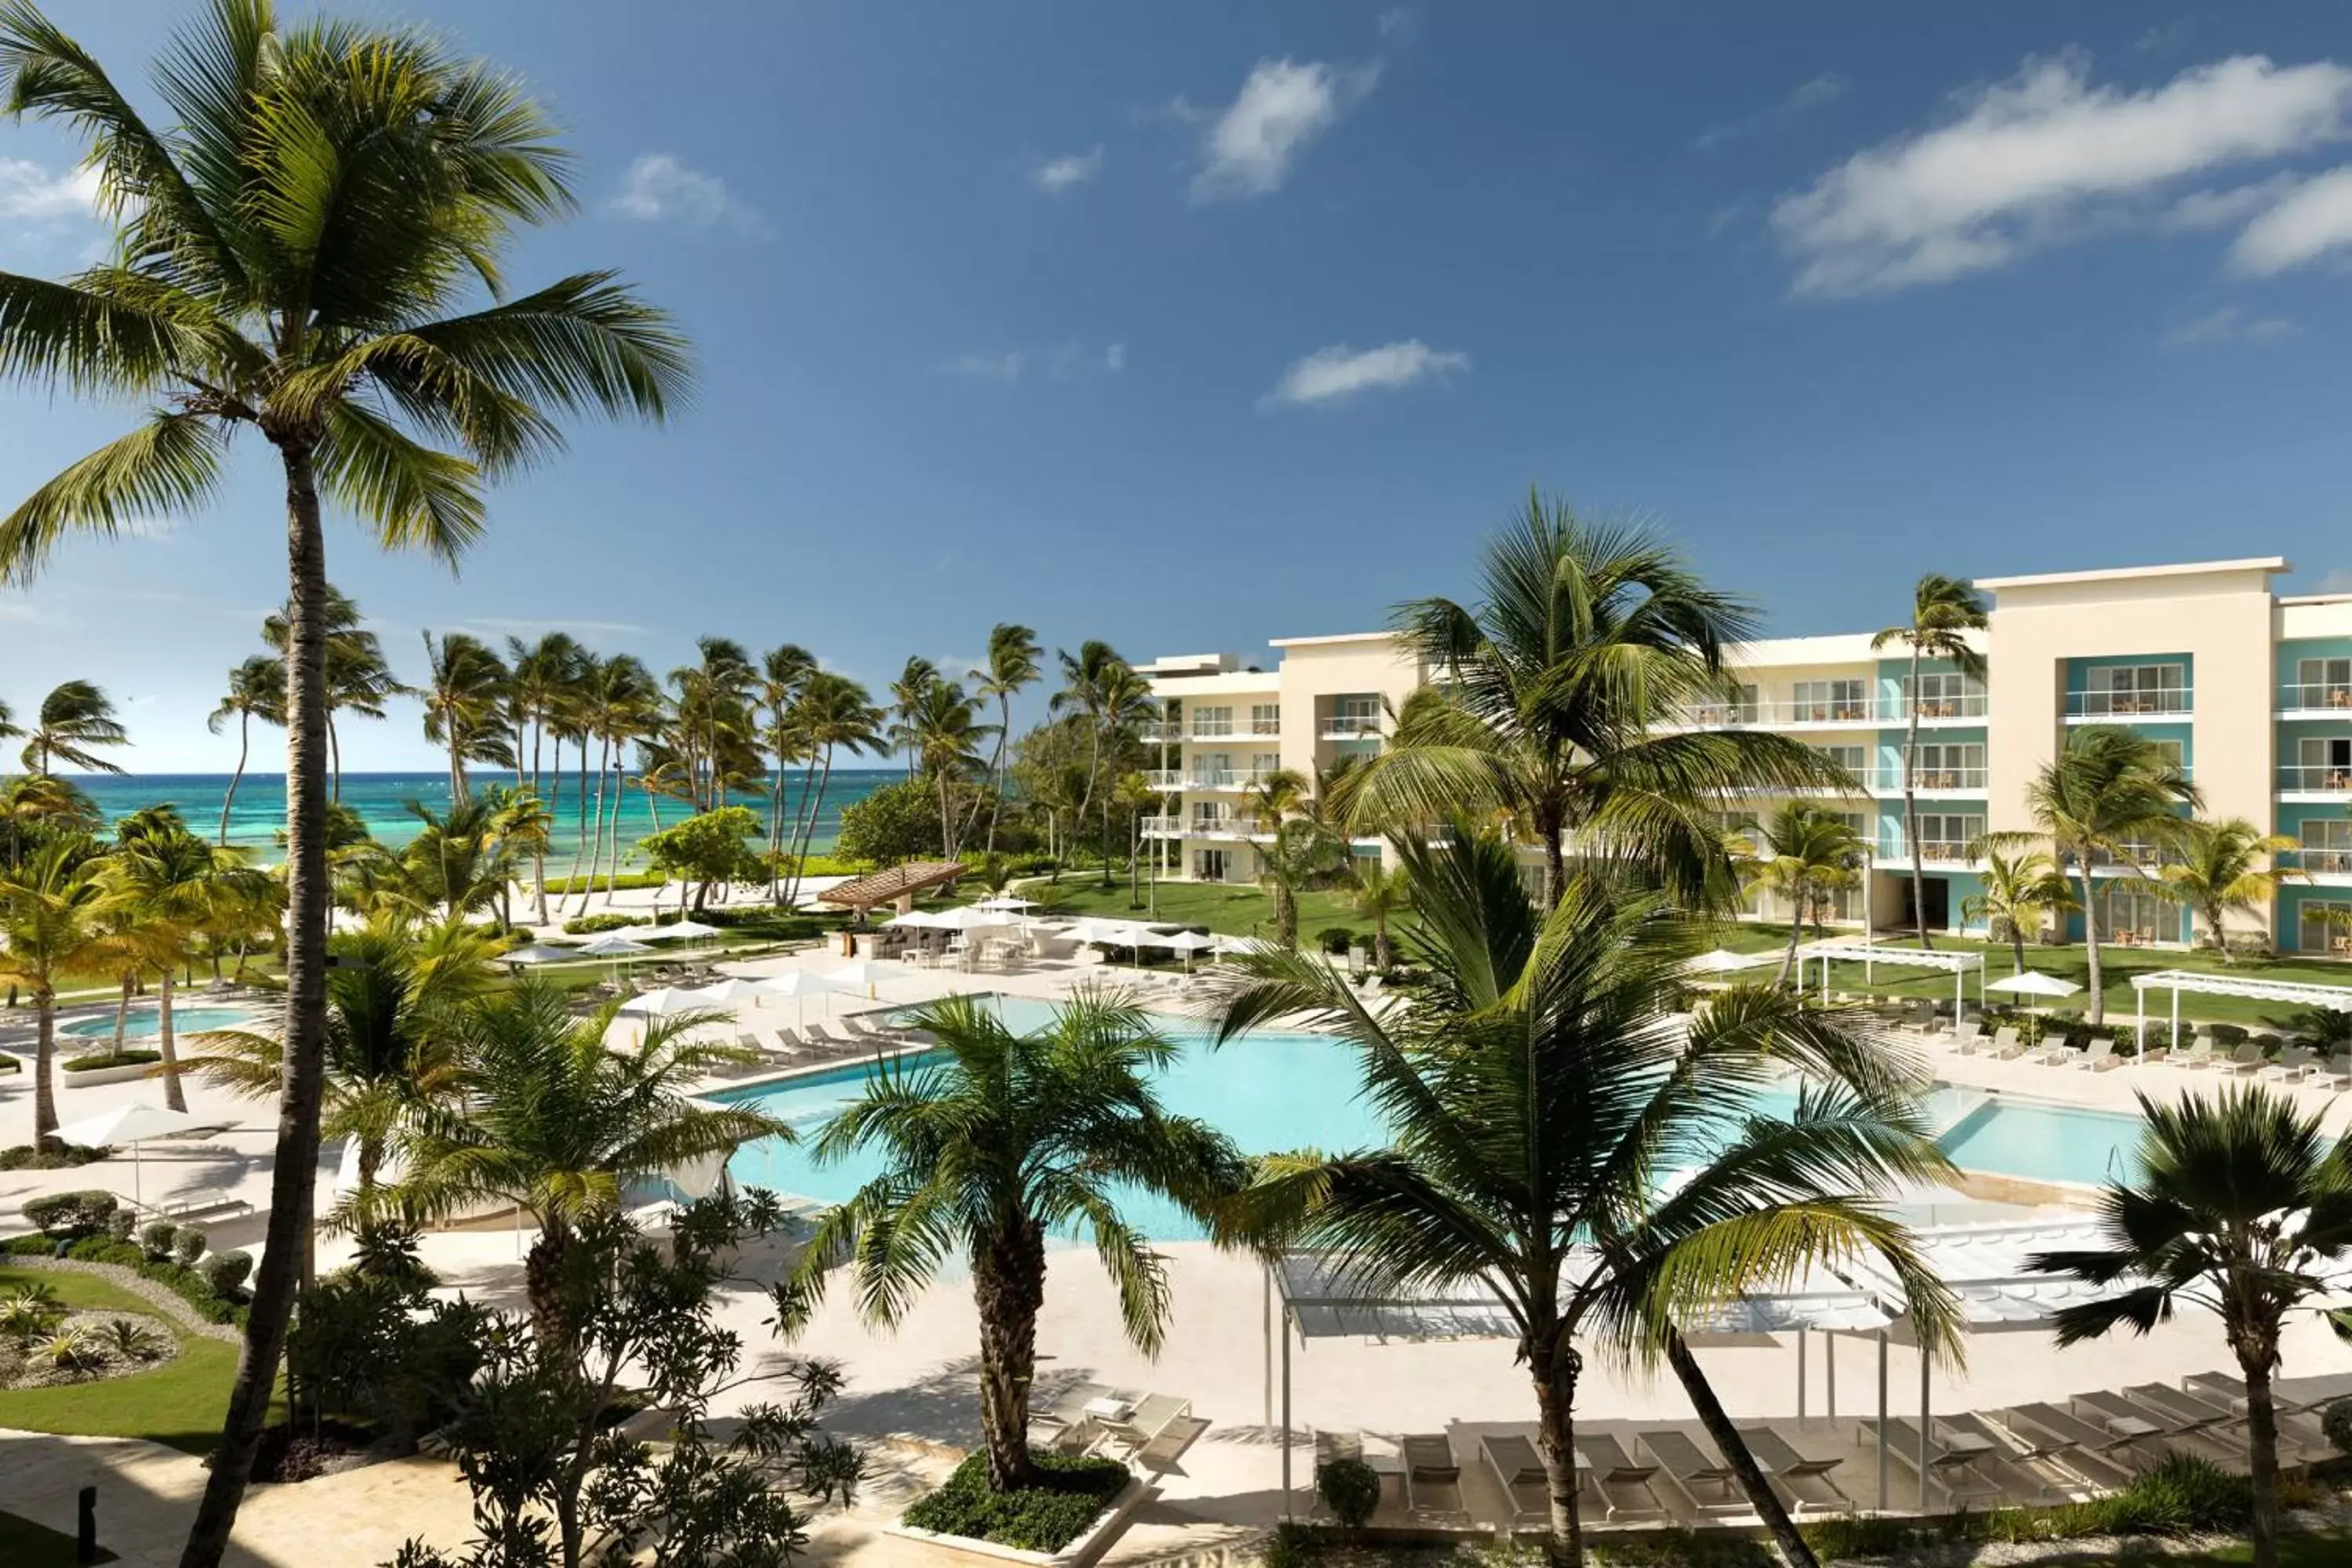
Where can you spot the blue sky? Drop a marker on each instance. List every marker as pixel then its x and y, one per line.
pixel 1188 327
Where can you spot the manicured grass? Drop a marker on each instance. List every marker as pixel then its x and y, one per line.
pixel 1222 906
pixel 180 1402
pixel 2297 1549
pixel 24 1544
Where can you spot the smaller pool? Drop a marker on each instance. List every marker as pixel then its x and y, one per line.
pixel 2043 1142
pixel 145 1024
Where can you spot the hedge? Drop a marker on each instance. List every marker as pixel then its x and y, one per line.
pixel 185 1283
pixel 113 1059
pixel 1044 1518
pixel 65 1215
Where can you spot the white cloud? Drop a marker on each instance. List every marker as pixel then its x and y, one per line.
pixel 500 624
pixel 1055 176
pixel 31 192
pixel 2338 581
pixel 660 188
pixel 1251 145
pixel 1114 358
pixel 1004 367
pixel 1819 93
pixel 2039 158
pixel 2229 204
pixel 2229 324
pixel 2310 222
pixel 1338 372
pixel 1399 24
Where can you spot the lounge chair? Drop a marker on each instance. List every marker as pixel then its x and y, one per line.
pixel 2124 1414
pixel 2004 1047
pixel 1519 1469
pixel 2100 1056
pixel 1330 1448
pixel 2228 1419
pixel 1615 1479
pixel 1152 1415
pixel 2227 1388
pixel 2248 1059
pixel 2197 1055
pixel 2061 1054
pixel 1065 1427
pixel 2337 1074
pixel 1703 1478
pixel 1952 1467
pixel 1430 1466
pixel 2038 1459
pixel 2294 1062
pixel 2097 1454
pixel 1789 1469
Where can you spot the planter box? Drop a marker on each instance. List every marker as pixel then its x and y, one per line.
pixel 90 1076
pixel 1090 1545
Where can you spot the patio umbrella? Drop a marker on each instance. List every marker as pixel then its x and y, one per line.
pixel 800 985
pixel 963 919
pixel 1723 961
pixel 866 972
pixel 133 1125
pixel 666 999
pixel 2033 984
pixel 690 931
pixel 1188 943
pixel 728 992
pixel 537 952
pixel 613 944
pixel 1227 944
pixel 1006 902
pixel 918 920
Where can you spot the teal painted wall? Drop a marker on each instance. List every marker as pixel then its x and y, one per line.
pixel 2078 669
pixel 2291 898
pixel 2290 654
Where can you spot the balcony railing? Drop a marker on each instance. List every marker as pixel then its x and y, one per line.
pixel 1350 726
pixel 1266 730
pixel 1203 827
pixel 1933 779
pixel 2126 704
pixel 2131 852
pixel 1163 778
pixel 1766 711
pixel 1157 734
pixel 2316 860
pixel 2333 696
pixel 1212 732
pixel 1942 851
pixel 2316 778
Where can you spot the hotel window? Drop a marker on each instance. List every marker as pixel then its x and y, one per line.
pixel 1738 708
pixel 1832 701
pixel 2137 688
pixel 2130 913
pixel 1266 718
pixel 1736 823
pixel 2173 752
pixel 1855 760
pixel 1946 836
pixel 1212 722
pixel 2326 762
pixel 1950 767
pixel 1948 695
pixel 1262 764
pixel 1211 812
pixel 1856 824
pixel 1354 716
pixel 2323 683
pixel 2326 844
pixel 2326 927
pixel 1212 770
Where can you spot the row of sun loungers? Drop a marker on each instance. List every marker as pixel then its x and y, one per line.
pixel 2293 1063
pixel 809 1043
pixel 1146 1431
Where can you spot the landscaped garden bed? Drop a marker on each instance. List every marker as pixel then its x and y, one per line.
pixel 1045 1519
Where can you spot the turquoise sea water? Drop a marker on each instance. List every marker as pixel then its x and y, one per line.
pixel 382 799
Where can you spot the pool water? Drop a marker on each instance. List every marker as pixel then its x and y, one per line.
pixel 144 1024
pixel 2045 1142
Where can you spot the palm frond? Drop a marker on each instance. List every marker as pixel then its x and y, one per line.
pixel 166 467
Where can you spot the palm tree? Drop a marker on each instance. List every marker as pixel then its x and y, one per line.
pixel 784 674
pixel 49 914
pixel 1588 636
pixel 834 714
pixel 946 736
pixel 295 254
pixel 1535 1086
pixel 1014 661
pixel 74 718
pixel 1126 702
pixel 37 806
pixel 1136 794
pixel 619 700
pixel 2013 896
pixel 1089 679
pixel 1944 610
pixel 711 700
pixel 257 689
pixel 358 678
pixel 2241 1204
pixel 2225 868
pixel 988 1143
pixel 2110 796
pixel 168 886
pixel 1381 894
pixel 1804 853
pixel 543 1116
pixel 1301 854
pixel 543 673
pixel 915 678
pixel 465 698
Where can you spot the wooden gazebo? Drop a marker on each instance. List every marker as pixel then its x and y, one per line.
pixel 897 887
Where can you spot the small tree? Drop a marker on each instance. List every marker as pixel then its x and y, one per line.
pixel 550 1471
pixel 897 821
pixel 706 847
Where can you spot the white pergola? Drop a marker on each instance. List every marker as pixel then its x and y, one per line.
pixel 2176 981
pixel 1956 964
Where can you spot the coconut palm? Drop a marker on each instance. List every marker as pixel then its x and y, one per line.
pixel 73 719
pixel 1547 691
pixel 2110 797
pixel 543 673
pixel 1091 678
pixel 1135 795
pixel 945 730
pixel 544 1116
pixel 784 673
pixel 50 917
pixel 2014 895
pixel 618 701
pixel 1944 610
pixel 169 886
pixel 712 711
pixel 257 689
pixel 357 679
pixel 915 676
pixel 37 806
pixel 2240 1204
pixel 1302 853
pixel 1381 894
pixel 2224 869
pixel 297 251
pixel 990 1142
pixel 465 701
pixel 1537 1085
pixel 1015 662
pixel 1802 854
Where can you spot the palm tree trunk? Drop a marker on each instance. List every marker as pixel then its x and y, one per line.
pixel 335 757
pixel 1003 733
pixel 620 803
pixel 808 836
pixel 1796 930
pixel 596 832
pixel 2017 945
pixel 776 829
pixel 45 1068
pixel 1911 811
pixel 243 744
pixel 174 1097
pixel 542 1273
pixel 294 1167
pixel 2262 1449
pixel 2098 1013
pixel 1750 1476
pixel 1008 1282
pixel 121 1016
pixel 1555 1374
pixel 1135 861
pixel 578 807
pixel 1553 826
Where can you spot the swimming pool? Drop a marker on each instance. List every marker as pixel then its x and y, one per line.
pixel 2043 1142
pixel 144 1024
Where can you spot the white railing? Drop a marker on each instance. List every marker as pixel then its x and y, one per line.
pixel 2132 852
pixel 1945 851
pixel 1159 735
pixel 2127 704
pixel 2316 778
pixel 1930 780
pixel 1350 726
pixel 1264 731
pixel 1222 827
pixel 2316 860
pixel 2328 695
pixel 1163 778
pixel 1163 827
pixel 1766 711
pixel 1211 733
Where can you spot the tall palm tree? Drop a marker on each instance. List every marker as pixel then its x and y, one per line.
pixel 1015 662
pixel 257 689
pixel 1382 894
pixel 1135 795
pixel 2240 1204
pixel 49 915
pixel 1535 1089
pixel 1588 636
pixel 543 673
pixel 834 714
pixel 357 679
pixel 2224 869
pixel 619 702
pixel 987 1144
pixel 39 807
pixel 948 738
pixel 1126 704
pixel 1944 610
pixel 712 694
pixel 1802 854
pixel 1301 854
pixel 168 884
pixel 74 718
pixel 915 678
pixel 784 674
pixel 544 1116
pixel 295 252
pixel 1088 676
pixel 2013 894
pixel 465 699
pixel 2109 796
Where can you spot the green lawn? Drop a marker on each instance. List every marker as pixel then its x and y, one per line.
pixel 1219 906
pixel 2297 1549
pixel 180 1402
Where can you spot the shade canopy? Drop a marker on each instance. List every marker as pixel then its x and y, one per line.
pixel 967 919
pixel 917 920
pixel 1246 945
pixel 666 999
pixel 538 953
pixel 1723 961
pixel 129 1124
pixel 692 931
pixel 862 973
pixel 2033 983
pixel 726 993
pixel 1188 942
pixel 613 944
pixel 1006 902
pixel 802 983
pixel 1117 933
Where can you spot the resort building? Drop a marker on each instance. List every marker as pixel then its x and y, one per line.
pixel 2251 690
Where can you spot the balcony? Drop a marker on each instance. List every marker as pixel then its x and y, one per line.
pixel 1260 731
pixel 1211 733
pixel 1773 712
pixel 1159 735
pixel 2312 779
pixel 1936 781
pixel 1351 727
pixel 2134 853
pixel 1163 778
pixel 2105 707
pixel 2316 861
pixel 2331 700
pixel 1203 827
pixel 1932 852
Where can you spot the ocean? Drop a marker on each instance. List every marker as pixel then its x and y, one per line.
pixel 382 802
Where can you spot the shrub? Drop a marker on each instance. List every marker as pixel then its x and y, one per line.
pixel 32 1246
pixel 121 1224
pixel 1351 1489
pixel 2230 1034
pixel 67 1215
pixel 105 1249
pixel 226 1272
pixel 155 1239
pixel 112 1060
pixel 74 1353
pixel 29 1312
pixel 28 1157
pixel 132 1340
pixel 590 925
pixel 187 1245
pixel 1043 1518
pixel 1335 939
pixel 2336 1422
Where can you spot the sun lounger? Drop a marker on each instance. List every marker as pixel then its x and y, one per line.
pixel 1703 1478
pixel 1519 1469
pixel 2039 1460
pixel 2061 1054
pixel 1791 1470
pixel 2229 1389
pixel 2196 1055
pixel 2336 1074
pixel 1622 1485
pixel 2293 1063
pixel 1069 1407
pixel 1430 1470
pixel 1951 1466
pixel 2095 1453
pixel 2122 1414
pixel 2228 1418
pixel 1153 1415
pixel 2005 1046
pixel 2249 1058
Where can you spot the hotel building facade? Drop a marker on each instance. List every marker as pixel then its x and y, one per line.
pixel 2251 690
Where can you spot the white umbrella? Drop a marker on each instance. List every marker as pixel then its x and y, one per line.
pixel 131 1124
pixel 800 985
pixel 1188 943
pixel 666 999
pixel 692 931
pixel 613 944
pixel 968 919
pixel 537 952
pixel 1006 902
pixel 2033 983
pixel 866 973
pixel 918 920
pixel 728 992
pixel 1245 944
pixel 1723 961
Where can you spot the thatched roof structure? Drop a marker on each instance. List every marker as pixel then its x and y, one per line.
pixel 890 887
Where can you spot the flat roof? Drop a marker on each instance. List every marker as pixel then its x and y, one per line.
pixel 1334 637
pixel 2108 573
